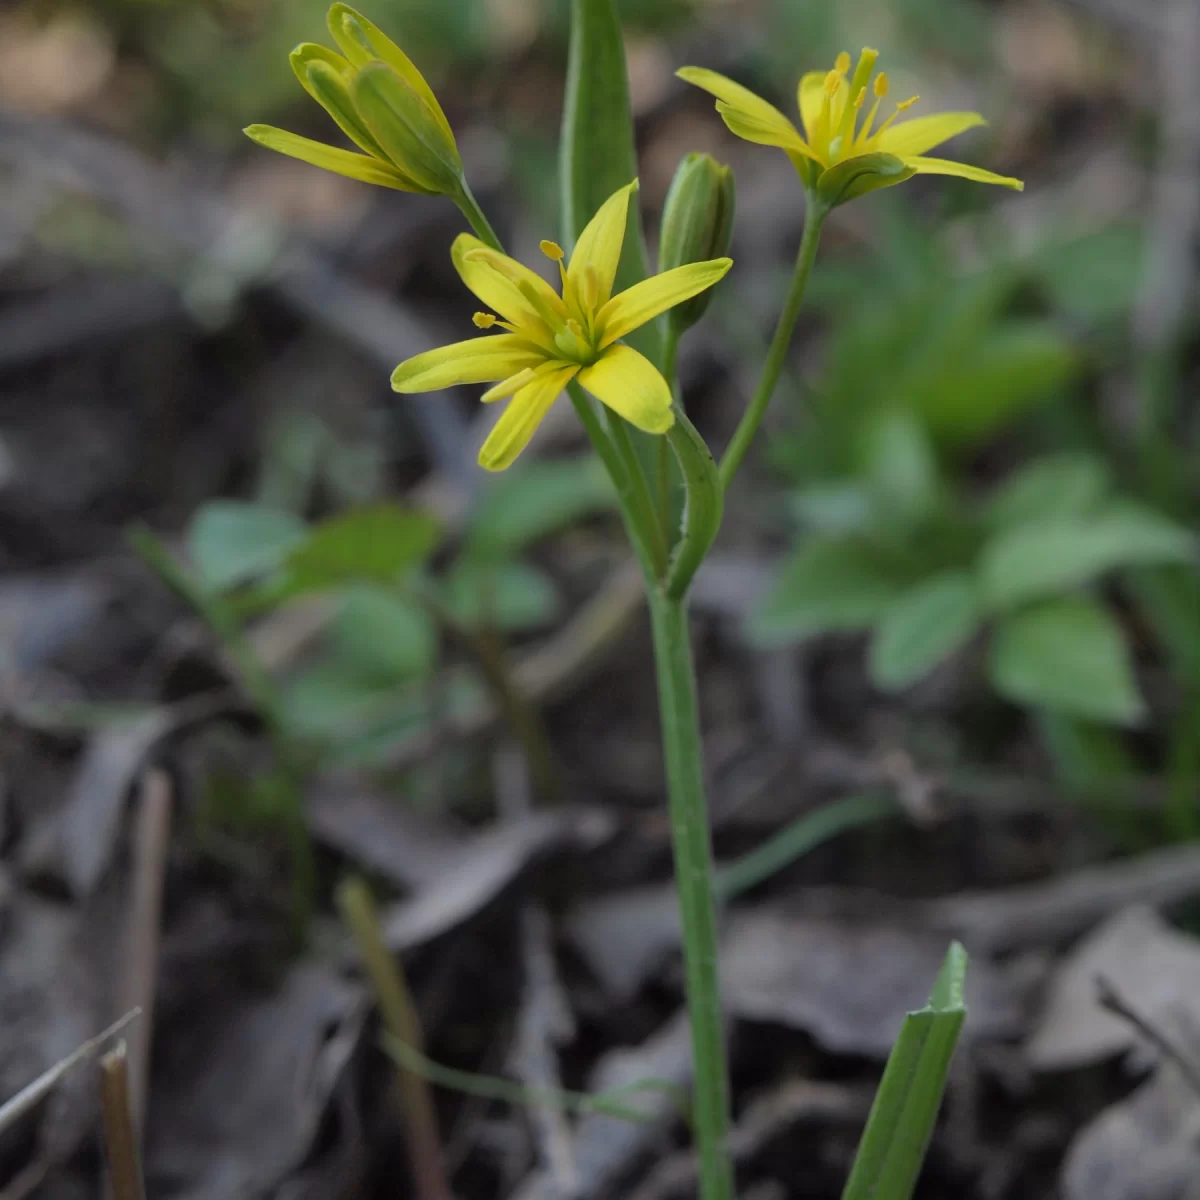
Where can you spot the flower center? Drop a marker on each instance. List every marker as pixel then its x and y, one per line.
pixel 838 134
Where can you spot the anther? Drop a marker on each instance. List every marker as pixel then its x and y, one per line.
pixel 842 63
pixel 483 320
pixel 590 288
pixel 552 250
pixel 832 80
pixel 907 103
pixel 881 84
pixel 862 95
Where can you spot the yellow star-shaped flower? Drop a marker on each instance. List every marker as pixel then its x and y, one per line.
pixel 550 339
pixel 836 155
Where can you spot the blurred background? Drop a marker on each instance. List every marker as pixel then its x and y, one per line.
pixel 948 641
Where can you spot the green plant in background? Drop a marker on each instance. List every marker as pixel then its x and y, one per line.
pixel 574 340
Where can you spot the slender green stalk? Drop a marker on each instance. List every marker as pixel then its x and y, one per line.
pixel 469 207
pixel 671 359
pixel 694 881
pixel 641 496
pixel 814 219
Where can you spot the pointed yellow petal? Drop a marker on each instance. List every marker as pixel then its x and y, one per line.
pixel 644 301
pixel 811 96
pixel 599 246
pixel 325 77
pixel 522 417
pixel 754 108
pixel 923 133
pixel 479 360
pixel 476 264
pixel 361 41
pixel 943 166
pixel 753 130
pixel 330 158
pixel 631 386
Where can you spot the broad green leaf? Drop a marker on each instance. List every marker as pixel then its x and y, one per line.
pixel 383 637
pixel 509 597
pixel 899 465
pixel 1040 558
pixel 597 150
pixel 373 544
pixel 533 500
pixel 1169 599
pixel 922 627
pixel 332 699
pixel 1062 485
pixel 826 585
pixel 1068 655
pixel 905 1109
pixel 231 543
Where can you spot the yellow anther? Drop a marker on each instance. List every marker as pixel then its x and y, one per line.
pixel 484 320
pixel 907 103
pixel 842 63
pixel 552 250
pixel 862 95
pixel 590 288
pixel 881 84
pixel 574 326
pixel 832 81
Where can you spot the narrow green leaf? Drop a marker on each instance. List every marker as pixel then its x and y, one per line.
pixel 375 544
pixel 1040 558
pixel 597 151
pixel 531 501
pixel 904 1113
pixel 827 585
pixel 705 503
pixel 1068 655
pixel 922 627
pixel 231 543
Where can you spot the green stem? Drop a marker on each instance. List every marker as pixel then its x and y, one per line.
pixel 469 207
pixel 814 218
pixel 641 496
pixel 694 881
pixel 671 358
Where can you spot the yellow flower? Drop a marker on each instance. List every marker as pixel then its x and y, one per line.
pixel 837 155
pixel 550 339
pixel 381 102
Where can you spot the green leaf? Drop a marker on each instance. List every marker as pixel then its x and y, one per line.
pixel 705 503
pixel 1040 558
pixel 530 501
pixel 1009 369
pixel 597 149
pixel 383 637
pixel 1169 599
pixel 373 544
pixel 1094 277
pixel 1061 485
pixel 922 627
pixel 231 543
pixel 859 175
pixel 826 585
pixel 1066 655
pixel 509 597
pixel 898 463
pixel 905 1109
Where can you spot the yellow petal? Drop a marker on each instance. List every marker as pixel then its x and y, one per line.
pixel 754 108
pixel 330 158
pixel 923 133
pixel 501 291
pixel 478 360
pixel 361 41
pixel 943 166
pixel 644 301
pixel 599 246
pixel 753 130
pixel 631 386
pixel 327 84
pixel 811 96
pixel 523 415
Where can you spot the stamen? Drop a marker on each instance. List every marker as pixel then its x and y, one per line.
pixel 590 288
pixel 862 73
pixel 832 80
pixel 552 250
pixel 842 63
pixel 881 84
pixel 904 104
pixel 484 320
pixel 907 103
pixel 858 100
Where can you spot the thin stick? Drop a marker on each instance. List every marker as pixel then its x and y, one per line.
pixel 151 838
pixel 1108 997
pixel 120 1137
pixel 399 1015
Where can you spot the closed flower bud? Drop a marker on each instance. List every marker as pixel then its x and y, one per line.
pixel 406 127
pixel 697 226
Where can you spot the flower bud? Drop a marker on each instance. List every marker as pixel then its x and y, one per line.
pixel 410 133
pixel 697 226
